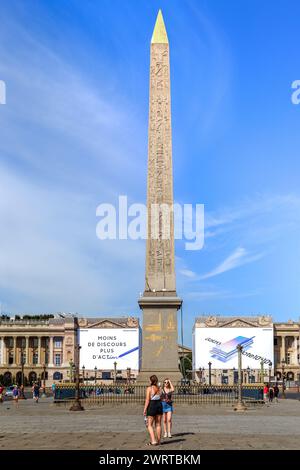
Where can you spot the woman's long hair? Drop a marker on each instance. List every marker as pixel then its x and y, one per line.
pixel 154 380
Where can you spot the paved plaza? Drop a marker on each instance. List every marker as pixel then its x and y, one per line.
pixel 49 426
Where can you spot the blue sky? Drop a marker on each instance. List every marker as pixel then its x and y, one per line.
pixel 73 134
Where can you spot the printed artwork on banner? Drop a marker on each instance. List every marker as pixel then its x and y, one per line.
pixel 219 346
pixel 103 347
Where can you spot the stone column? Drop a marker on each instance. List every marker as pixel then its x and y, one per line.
pixel 50 361
pixel 282 350
pixel 27 350
pixel 1 350
pixel 39 350
pixel 15 350
pixel 4 352
pixel 295 350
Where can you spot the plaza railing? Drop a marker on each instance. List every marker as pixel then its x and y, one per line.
pixel 183 394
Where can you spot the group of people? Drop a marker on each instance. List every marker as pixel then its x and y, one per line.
pixel 18 392
pixel 271 393
pixel 158 405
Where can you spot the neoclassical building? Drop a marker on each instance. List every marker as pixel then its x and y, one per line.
pixel 286 350
pixel 35 346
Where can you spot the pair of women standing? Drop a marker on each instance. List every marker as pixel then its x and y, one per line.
pixel 158 403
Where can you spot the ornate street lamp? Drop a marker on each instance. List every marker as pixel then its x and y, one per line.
pixel 115 374
pixel 128 375
pixel 262 371
pixel 83 370
pixel 240 404
pixel 44 381
pixel 283 378
pixel 248 371
pixel 270 371
pixel 77 404
pixel 209 373
pixel 95 369
pixel 22 395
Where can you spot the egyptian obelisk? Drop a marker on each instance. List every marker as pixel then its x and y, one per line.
pixel 159 301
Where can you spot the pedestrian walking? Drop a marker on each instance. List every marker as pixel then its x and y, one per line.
pixel 35 392
pixel 167 406
pixel 1 393
pixel 266 393
pixel 276 393
pixel 153 411
pixel 53 387
pixel 271 394
pixel 16 395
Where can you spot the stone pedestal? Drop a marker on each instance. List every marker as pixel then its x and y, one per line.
pixel 160 338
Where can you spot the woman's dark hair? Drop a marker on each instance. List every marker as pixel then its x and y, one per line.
pixel 153 380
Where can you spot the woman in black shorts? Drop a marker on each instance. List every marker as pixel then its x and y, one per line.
pixel 153 410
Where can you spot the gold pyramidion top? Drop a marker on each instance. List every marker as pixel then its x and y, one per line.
pixel 159 35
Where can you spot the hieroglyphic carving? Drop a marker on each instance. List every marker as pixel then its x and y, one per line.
pixel 160 269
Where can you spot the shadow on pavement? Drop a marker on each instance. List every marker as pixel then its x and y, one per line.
pixel 171 441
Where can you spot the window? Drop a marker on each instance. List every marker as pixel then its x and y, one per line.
pixel 275 341
pixel 57 359
pixel 35 358
pixel 35 342
pixel 288 358
pixel 57 343
pixel 106 375
pixel 57 376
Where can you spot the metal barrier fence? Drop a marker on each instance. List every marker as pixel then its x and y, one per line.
pixel 190 394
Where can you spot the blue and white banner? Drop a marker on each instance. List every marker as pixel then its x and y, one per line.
pixel 219 346
pixel 103 347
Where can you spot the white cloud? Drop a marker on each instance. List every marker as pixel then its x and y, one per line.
pixel 238 258
pixel 188 273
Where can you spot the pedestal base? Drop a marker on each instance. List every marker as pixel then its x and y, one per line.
pixel 77 407
pixel 160 338
pixel 240 407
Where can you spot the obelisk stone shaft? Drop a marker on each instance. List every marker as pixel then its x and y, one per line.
pixel 160 302
pixel 160 266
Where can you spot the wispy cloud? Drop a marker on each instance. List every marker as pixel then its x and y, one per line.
pixel 239 257
pixel 188 273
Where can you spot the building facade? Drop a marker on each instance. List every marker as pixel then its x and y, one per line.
pixel 30 348
pixel 284 362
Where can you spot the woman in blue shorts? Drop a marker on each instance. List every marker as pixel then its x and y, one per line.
pixel 167 405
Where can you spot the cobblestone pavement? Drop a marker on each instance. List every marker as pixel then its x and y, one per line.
pixel 49 426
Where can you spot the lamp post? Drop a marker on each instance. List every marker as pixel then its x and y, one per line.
pixel 77 404
pixel 95 369
pixel 44 381
pixel 22 395
pixel 115 372
pixel 128 375
pixel 270 371
pixel 283 378
pixel 209 373
pixel 248 371
pixel 262 371
pixel 83 370
pixel 240 404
